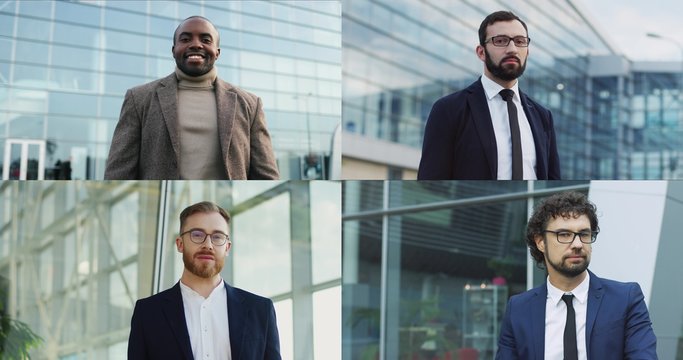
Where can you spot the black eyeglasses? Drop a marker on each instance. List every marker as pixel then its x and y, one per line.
pixel 199 236
pixel 567 237
pixel 504 40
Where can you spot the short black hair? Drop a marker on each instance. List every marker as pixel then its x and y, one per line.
pixel 494 18
pixel 566 204
pixel 175 33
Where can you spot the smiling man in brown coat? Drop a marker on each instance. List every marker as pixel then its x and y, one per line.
pixel 191 124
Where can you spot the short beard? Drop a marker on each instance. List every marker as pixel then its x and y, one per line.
pixel 205 271
pixel 502 73
pixel 194 71
pixel 569 271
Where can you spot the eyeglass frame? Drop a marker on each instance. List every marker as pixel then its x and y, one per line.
pixel 490 40
pixel 227 237
pixel 594 236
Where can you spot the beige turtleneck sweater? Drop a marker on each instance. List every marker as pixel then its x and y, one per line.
pixel 200 148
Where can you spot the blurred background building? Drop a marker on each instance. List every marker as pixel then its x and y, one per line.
pixel 428 266
pixel 614 118
pixel 75 256
pixel 65 67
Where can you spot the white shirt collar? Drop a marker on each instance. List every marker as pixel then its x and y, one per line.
pixel 492 88
pixel 188 291
pixel 580 292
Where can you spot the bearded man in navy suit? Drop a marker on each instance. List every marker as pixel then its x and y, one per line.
pixel 574 314
pixel 201 316
pixel 473 135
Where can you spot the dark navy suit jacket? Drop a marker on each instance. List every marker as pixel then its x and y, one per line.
pixel 618 325
pixel 159 331
pixel 459 142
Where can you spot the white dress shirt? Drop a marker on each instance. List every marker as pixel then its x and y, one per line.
pixel 501 128
pixel 556 318
pixel 207 322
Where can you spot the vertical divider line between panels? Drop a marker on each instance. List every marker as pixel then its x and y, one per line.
pixel 162 232
pixel 529 260
pixel 384 274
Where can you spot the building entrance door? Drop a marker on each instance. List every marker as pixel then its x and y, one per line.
pixel 24 160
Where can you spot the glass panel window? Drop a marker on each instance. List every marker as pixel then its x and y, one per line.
pixel 263 266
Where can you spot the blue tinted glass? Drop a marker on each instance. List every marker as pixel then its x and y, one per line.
pixel 33 29
pixel 76 35
pixel 35 8
pixel 74 57
pixel 160 46
pixel 6 25
pixel 124 63
pixel 31 52
pixel 75 128
pixel 117 19
pixel 164 8
pixel 5 50
pixel 73 104
pixel 187 9
pixel 162 27
pixel 73 79
pixel 130 5
pixel 125 42
pixel 79 13
pixel 119 84
pixel 25 126
pixel 28 72
pixel 110 106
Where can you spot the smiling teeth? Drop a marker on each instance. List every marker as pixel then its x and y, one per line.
pixel 194 57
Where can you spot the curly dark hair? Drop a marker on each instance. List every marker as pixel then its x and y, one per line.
pixel 494 18
pixel 565 204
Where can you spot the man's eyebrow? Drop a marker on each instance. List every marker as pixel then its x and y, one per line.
pixel 190 34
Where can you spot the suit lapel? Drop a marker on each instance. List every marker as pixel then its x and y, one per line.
pixel 595 295
pixel 481 116
pixel 168 100
pixel 538 132
pixel 236 313
pixel 173 310
pixel 537 310
pixel 226 102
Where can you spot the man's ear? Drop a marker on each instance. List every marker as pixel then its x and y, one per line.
pixel 540 244
pixel 481 52
pixel 228 246
pixel 179 244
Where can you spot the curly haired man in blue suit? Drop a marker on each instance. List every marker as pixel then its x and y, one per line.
pixel 201 316
pixel 574 314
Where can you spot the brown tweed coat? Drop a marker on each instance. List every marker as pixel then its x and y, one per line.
pixel 146 146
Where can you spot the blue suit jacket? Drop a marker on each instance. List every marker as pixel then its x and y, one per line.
pixel 618 325
pixel 459 142
pixel 159 331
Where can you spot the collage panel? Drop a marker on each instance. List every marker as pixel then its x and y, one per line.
pixel 444 270
pixel 599 83
pixel 76 258
pixel 66 68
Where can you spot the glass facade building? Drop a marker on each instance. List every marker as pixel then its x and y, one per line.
pixel 614 119
pixel 65 67
pixel 75 256
pixel 428 266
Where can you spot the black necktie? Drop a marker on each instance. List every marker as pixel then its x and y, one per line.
pixel 570 351
pixel 507 95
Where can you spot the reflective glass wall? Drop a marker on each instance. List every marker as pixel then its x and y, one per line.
pixel 428 266
pixel 65 67
pixel 75 256
pixel 401 56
